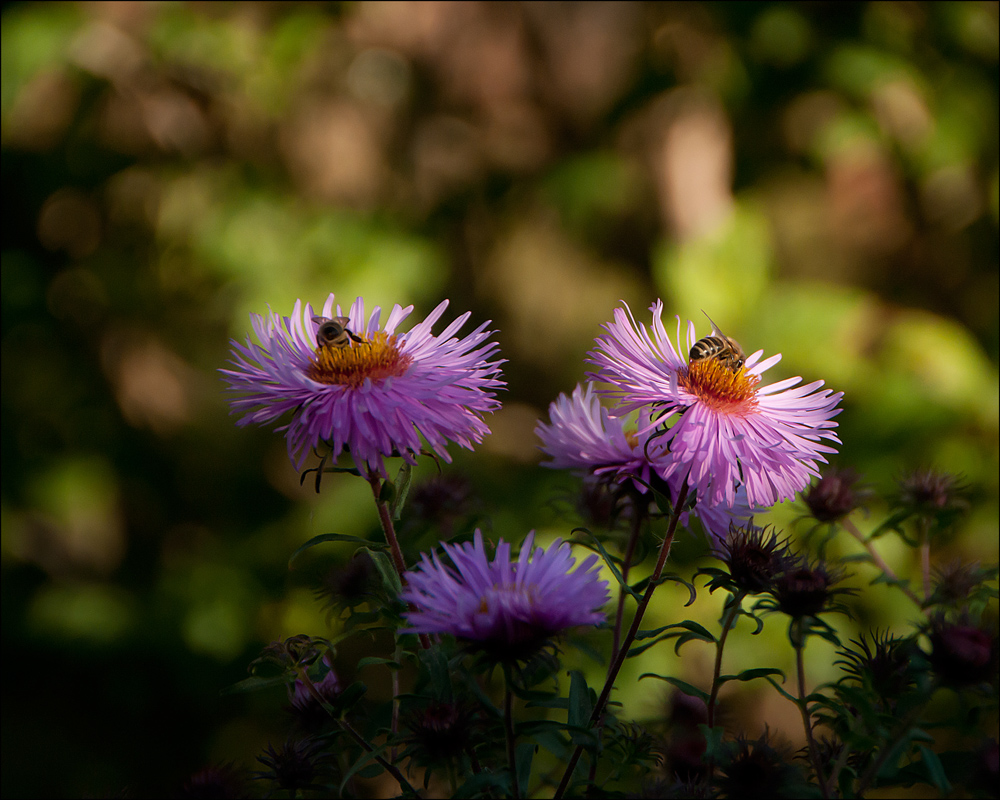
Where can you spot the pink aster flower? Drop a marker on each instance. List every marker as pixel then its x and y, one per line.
pixel 374 395
pixel 727 429
pixel 508 608
pixel 583 436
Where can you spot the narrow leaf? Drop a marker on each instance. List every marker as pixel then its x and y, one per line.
pixel 684 686
pixel 368 661
pixel 752 674
pixel 383 563
pixel 403 480
pixel 361 763
pixel 524 754
pixel 580 706
pixel 254 684
pixel 331 537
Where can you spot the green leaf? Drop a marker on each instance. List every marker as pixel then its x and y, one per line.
pixel 781 691
pixel 383 563
pixel 580 702
pixel 524 754
pixel 684 686
pixel 254 684
pixel 935 770
pixel 358 765
pixel 351 695
pixel 368 661
pixel 694 631
pixel 479 784
pixel 403 479
pixel 714 748
pixel 663 503
pixel 699 630
pixel 688 625
pixel 752 674
pixel 893 523
pixel 387 494
pixel 610 561
pixel 331 537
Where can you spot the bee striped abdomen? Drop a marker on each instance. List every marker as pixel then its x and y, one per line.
pixel 723 349
pixel 707 347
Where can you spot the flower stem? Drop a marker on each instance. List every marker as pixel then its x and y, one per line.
pixel 889 745
pixel 629 637
pixel 398 657
pixel 385 518
pixel 879 561
pixel 387 527
pixel 508 722
pixel 731 615
pixel 799 643
pixel 637 520
pixel 925 558
pixel 347 728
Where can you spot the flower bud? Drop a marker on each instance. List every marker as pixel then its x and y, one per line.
pixel 961 653
pixel 754 557
pixel 440 731
pixel 805 591
pixel 298 766
pixel 223 782
pixel 835 495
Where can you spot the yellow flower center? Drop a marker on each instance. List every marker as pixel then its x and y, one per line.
pixel 632 437
pixel 719 388
pixel 376 358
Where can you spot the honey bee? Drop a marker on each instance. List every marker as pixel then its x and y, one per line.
pixel 720 347
pixel 334 332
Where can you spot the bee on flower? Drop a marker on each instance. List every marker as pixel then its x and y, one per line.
pixel 721 427
pixel 358 386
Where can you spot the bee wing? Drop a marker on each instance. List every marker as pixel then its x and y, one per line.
pixel 320 320
pixel 342 321
pixel 715 328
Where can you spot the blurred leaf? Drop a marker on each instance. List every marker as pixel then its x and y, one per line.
pixel 33 38
pixel 723 273
pixel 95 614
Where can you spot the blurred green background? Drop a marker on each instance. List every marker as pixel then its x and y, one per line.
pixel 821 178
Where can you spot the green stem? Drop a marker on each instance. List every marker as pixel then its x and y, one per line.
pixel 731 615
pixel 637 520
pixel 398 658
pixel 385 518
pixel 838 766
pixel 799 643
pixel 879 561
pixel 871 773
pixel 508 721
pixel 629 638
pixel 347 728
pixel 925 558
pixel 387 527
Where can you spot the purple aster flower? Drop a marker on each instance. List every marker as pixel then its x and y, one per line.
pixel 509 609
pixel 728 430
pixel 373 394
pixel 584 436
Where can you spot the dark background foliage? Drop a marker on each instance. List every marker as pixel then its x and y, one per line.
pixel 822 178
